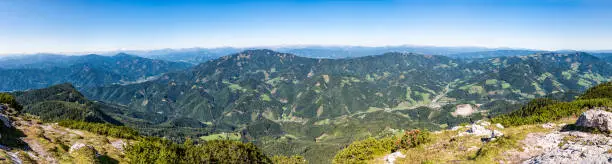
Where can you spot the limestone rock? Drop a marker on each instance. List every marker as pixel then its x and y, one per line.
pixel 76 146
pixel 498 125
pixel 580 148
pixel 82 153
pixel 483 123
pixel 599 119
pixel 118 144
pixel 390 159
pixel 548 125
pixel 6 121
pixel 455 128
pixel 479 130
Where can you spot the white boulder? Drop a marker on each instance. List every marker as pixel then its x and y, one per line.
pixel 479 130
pixel 390 159
pixel 599 119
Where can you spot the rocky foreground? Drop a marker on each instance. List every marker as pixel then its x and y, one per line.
pixel 586 139
pixel 51 143
pixel 571 146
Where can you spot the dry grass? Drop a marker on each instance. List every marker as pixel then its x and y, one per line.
pixel 448 147
pixel 52 142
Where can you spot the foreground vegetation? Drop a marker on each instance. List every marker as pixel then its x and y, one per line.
pixel 51 142
pixel 448 146
pixel 154 150
pixel 102 129
pixel 367 149
pixel 546 110
pixel 9 99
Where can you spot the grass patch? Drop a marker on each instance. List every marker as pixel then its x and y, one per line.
pixel 265 97
pixel 102 129
pixel 492 149
pixel 366 150
pixel 550 112
pixel 222 136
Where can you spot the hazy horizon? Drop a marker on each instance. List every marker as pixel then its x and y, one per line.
pixel 275 47
pixel 71 26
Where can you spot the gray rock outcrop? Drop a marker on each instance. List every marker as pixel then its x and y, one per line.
pixel 6 121
pixel 80 145
pixel 571 147
pixel 480 129
pixel 597 118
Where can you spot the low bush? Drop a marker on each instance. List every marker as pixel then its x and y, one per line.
pixel 413 138
pixel 6 98
pixel 102 129
pixel 603 90
pixel 548 113
pixel 289 160
pixel 156 150
pixel 364 150
pixel 492 149
pixel 361 151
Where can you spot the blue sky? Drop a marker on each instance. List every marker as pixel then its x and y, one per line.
pixel 30 26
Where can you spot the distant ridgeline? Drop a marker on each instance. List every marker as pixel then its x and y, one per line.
pixel 32 72
pixel 290 105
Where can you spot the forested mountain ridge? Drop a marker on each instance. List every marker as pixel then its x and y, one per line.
pixel 293 86
pixel 86 71
pixel 63 102
pixel 300 85
pixel 322 103
pixel 527 77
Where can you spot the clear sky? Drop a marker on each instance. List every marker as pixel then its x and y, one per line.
pixel 29 26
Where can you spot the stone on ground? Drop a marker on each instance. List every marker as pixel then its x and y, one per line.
pixel 390 159
pixel 597 118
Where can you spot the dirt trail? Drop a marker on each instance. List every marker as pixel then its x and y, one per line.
pixel 40 151
pixel 32 131
pixel 14 157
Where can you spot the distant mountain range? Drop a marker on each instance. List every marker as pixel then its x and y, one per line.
pixel 288 86
pixel 41 71
pixel 199 55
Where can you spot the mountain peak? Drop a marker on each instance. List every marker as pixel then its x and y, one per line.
pixel 63 92
pixel 123 55
pixel 262 52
